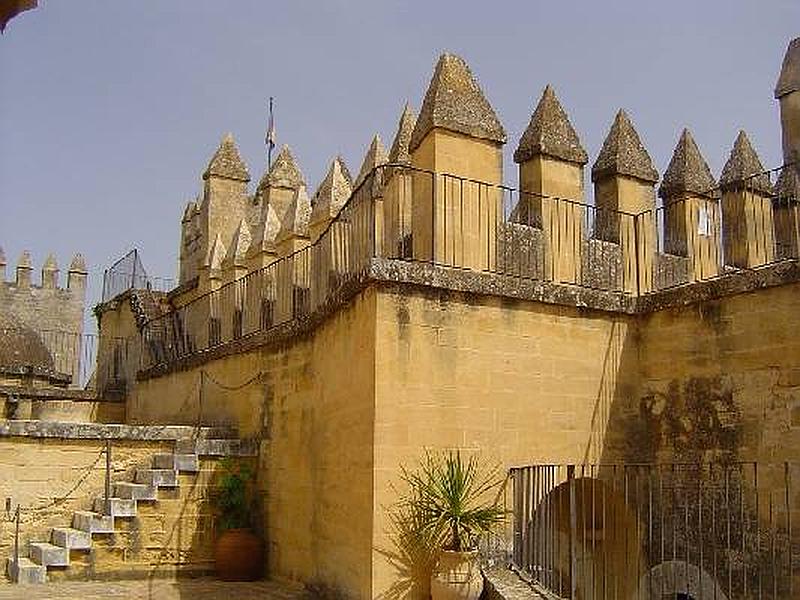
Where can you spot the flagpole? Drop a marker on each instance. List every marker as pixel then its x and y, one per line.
pixel 270 136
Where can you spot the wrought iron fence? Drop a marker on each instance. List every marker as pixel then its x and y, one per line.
pixel 128 273
pixel 688 531
pixel 76 360
pixel 739 226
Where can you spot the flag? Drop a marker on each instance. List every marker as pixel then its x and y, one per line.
pixel 270 139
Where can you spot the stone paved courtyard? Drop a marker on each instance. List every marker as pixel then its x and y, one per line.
pixel 194 589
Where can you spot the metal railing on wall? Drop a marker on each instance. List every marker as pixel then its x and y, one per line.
pixel 75 360
pixel 128 273
pixel 713 531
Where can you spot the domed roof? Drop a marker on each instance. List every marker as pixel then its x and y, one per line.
pixel 21 346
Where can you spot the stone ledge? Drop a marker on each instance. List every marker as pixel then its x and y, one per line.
pixel 505 583
pixel 104 431
pixel 49 393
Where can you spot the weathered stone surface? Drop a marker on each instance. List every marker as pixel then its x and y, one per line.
pixel 789 79
pixel 216 254
pixel 226 162
pixel 688 171
pixel 103 431
pixel 623 153
pixel 375 157
pixel 400 153
pixel 333 192
pixel 787 184
pixel 550 133
pixel 744 169
pixel 266 234
pixel 284 172
pixel 601 265
pixel 297 216
pixel 21 346
pixel 454 101
pixel 240 244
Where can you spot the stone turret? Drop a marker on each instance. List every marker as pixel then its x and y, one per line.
pixel 459 137
pixel 76 274
pixel 24 270
pixel 3 264
pixel 375 157
pixel 691 211
pixel 225 202
pixel 746 207
pixel 624 179
pixel 279 183
pixel 397 190
pixel 551 160
pixel 50 272
pixel 369 185
pixel 330 197
pixel 787 92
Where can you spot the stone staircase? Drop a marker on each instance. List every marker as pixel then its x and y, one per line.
pixel 126 496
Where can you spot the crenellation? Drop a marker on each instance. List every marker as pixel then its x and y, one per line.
pixel 330 197
pixel 3 264
pixel 24 270
pixel 50 272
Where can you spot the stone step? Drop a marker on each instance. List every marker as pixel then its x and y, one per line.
pixel 157 477
pixel 120 507
pixel 135 491
pixel 227 447
pixel 48 555
pixel 74 539
pixel 27 572
pixel 186 463
pixel 92 522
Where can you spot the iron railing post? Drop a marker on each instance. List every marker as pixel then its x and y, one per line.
pixel 16 544
pixel 573 526
pixel 107 493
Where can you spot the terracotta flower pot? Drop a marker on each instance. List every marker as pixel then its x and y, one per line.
pixel 238 555
pixel 457 576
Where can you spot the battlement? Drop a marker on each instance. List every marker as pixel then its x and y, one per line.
pixel 49 273
pixel 438 197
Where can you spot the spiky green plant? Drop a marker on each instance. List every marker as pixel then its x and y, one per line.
pixel 454 500
pixel 232 496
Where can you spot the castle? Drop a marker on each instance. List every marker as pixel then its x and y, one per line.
pixel 424 304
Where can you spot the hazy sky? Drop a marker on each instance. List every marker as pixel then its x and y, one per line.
pixel 110 110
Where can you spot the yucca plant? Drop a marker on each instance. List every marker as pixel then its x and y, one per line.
pixel 453 499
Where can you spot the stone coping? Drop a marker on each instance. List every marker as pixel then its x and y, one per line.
pixel 110 431
pixel 439 277
pixel 48 393
pixel 506 583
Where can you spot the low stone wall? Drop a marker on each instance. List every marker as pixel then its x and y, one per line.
pixel 54 469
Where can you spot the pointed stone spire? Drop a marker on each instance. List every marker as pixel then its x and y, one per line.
pixel 266 234
pixel 24 268
pixel 623 153
pixel 226 162
pixel 789 79
pixel 333 192
pixel 216 254
pixel 50 272
pixel 297 217
pixel 687 172
pixel 744 168
pixel 76 274
pixel 399 152
pixel 78 264
pixel 455 101
pixel 240 244
pixel 188 212
pixel 550 133
pixel 283 173
pixel 375 157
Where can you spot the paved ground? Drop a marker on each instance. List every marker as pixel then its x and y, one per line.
pixel 191 589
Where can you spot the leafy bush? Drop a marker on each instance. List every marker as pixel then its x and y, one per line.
pixel 232 496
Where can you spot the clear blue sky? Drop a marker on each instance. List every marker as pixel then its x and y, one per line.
pixel 109 111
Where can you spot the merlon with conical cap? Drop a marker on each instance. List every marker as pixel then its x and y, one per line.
pixel 454 101
pixel 624 154
pixel 400 152
pixel 375 157
pixel 237 251
pixel 226 162
pixel 297 217
pixel 688 171
pixel 550 133
pixel 744 169
pixel 333 192
pixel 284 172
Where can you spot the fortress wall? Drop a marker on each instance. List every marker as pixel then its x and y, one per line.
pixel 313 409
pixel 730 366
pixel 521 382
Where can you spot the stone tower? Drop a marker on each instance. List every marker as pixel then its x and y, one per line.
pixel 459 137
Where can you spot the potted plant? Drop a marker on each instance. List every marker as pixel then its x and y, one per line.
pixel 454 501
pixel 238 552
